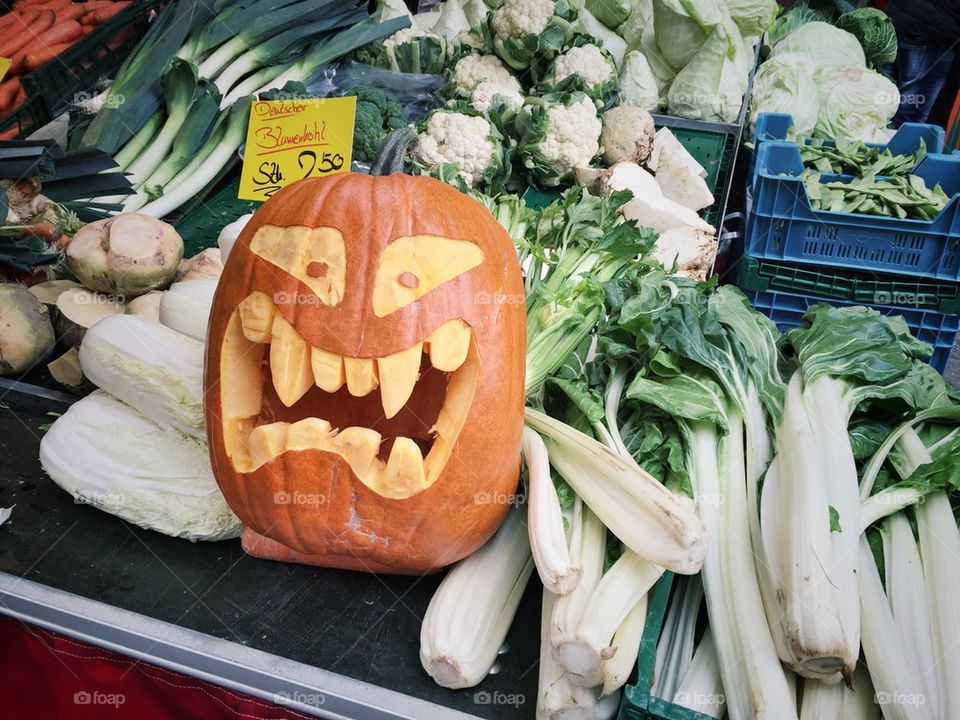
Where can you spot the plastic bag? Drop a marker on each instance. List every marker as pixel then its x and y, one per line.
pixel 417 93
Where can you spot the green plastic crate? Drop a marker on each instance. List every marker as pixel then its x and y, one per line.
pixel 637 703
pixel 200 228
pixel 860 288
pixel 78 69
pixel 29 116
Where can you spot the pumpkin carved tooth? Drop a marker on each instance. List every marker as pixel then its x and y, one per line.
pixel 404 475
pixel 289 362
pixel 309 433
pixel 256 317
pixel 359 447
pixel 398 378
pixel 328 370
pixel 267 442
pixel 361 374
pixel 449 344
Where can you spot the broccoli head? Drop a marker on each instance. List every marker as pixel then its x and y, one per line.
pixel 378 113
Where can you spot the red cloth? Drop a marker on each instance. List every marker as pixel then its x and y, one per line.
pixel 47 676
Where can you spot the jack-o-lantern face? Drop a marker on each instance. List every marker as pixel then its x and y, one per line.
pixel 365 374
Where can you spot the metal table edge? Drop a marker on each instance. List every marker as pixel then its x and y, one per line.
pixel 276 679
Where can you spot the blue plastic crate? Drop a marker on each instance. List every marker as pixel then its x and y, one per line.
pixel 937 329
pixel 783 226
pixel 906 141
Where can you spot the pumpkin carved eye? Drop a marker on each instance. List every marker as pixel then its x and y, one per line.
pixel 410 267
pixel 315 256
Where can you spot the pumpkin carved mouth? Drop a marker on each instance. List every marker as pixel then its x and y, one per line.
pixel 393 419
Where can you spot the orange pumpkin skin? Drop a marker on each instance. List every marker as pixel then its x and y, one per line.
pixel 309 506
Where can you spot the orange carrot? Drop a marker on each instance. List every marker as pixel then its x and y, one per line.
pixel 35 27
pixel 70 11
pixel 8 91
pixel 33 60
pixel 10 133
pixel 60 33
pixel 101 15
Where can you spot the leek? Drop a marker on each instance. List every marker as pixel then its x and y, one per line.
pixel 468 616
pixel 179 83
pixel 139 142
pixel 217 152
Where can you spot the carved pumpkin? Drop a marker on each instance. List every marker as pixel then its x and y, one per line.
pixel 365 374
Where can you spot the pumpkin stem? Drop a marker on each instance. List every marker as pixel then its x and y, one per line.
pixel 394 150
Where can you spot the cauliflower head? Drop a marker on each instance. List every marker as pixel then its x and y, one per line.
pixel 470 142
pixel 484 94
pixel 559 132
pixel 586 61
pixel 413 50
pixel 471 70
pixel 525 30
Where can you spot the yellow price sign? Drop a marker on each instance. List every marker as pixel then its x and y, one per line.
pixel 289 140
pixel 5 64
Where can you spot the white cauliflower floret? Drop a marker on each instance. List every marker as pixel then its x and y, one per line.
pixel 587 61
pixel 483 95
pixel 405 35
pixel 453 137
pixel 574 135
pixel 516 18
pixel 471 70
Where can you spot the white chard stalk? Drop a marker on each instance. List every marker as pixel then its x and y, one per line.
pixel 897 683
pixel 677 637
pixel 940 552
pixel 618 592
pixel 835 701
pixel 557 697
pixel 469 615
pixel 548 541
pixel 626 642
pixel 905 585
pixel 639 510
pixel 588 546
pixel 755 686
pixel 701 688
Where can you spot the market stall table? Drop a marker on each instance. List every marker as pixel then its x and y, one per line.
pixel 331 643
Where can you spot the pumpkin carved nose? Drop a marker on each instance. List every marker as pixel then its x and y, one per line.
pixel 317 269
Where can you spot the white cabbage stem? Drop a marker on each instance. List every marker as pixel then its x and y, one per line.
pixel 558 572
pixel 468 617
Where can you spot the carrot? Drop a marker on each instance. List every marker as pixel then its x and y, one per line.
pixel 60 33
pixel 8 91
pixel 70 11
pixel 36 27
pixel 10 133
pixel 101 15
pixel 33 60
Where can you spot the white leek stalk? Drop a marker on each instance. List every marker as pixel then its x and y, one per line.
pixel 620 589
pixel 469 615
pixel 557 697
pixel 755 685
pixel 626 642
pixel 185 307
pixel 640 511
pixel 150 367
pixel 911 616
pixel 701 688
pixel 548 541
pixel 897 683
pixel 940 552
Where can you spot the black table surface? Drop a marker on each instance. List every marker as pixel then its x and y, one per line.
pixel 362 626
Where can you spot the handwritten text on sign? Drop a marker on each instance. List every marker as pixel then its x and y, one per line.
pixel 288 140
